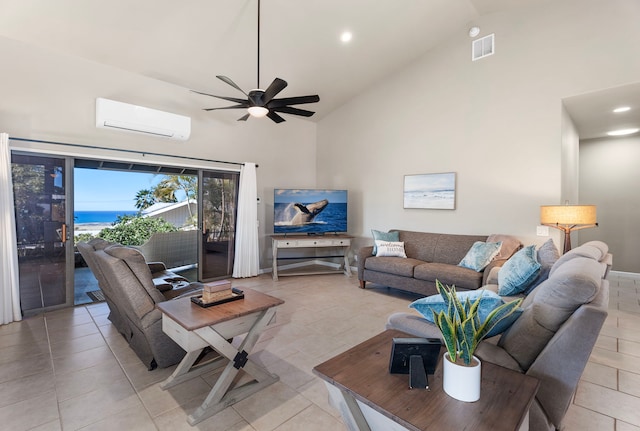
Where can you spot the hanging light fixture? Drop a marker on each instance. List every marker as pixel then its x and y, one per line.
pixel 262 103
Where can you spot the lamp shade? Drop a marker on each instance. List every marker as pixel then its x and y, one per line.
pixel 571 215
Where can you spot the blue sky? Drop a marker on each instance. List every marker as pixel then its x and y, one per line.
pixel 102 190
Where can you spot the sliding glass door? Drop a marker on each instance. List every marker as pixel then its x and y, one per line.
pixel 52 275
pixel 42 219
pixel 218 197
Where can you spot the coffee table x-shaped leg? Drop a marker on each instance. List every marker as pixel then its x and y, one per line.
pixel 233 360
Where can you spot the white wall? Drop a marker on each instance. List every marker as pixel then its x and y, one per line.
pixel 609 178
pixel 496 122
pixel 48 96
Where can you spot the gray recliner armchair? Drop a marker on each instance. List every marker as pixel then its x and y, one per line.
pixel 116 316
pixel 127 280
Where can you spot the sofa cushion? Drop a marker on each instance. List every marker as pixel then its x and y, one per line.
pixel 413 324
pixel 510 244
pixel 547 255
pixel 601 246
pixel 489 301
pixel 480 255
pixel 489 352
pixel 585 250
pixel 452 248
pixel 575 283
pixel 390 249
pixel 518 272
pixel 451 275
pixel 392 265
pixel 383 236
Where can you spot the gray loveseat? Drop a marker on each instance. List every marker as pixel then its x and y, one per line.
pixel 430 256
pixel 555 334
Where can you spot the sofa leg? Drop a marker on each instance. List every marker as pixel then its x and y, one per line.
pixel 362 282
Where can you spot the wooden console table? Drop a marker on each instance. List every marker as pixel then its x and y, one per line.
pixel 194 328
pixel 370 398
pixel 340 241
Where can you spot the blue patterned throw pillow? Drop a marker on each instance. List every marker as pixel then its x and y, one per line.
pixel 488 302
pixel 518 272
pixel 546 255
pixel 480 255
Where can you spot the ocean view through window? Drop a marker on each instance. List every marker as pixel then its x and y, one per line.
pixel 83 217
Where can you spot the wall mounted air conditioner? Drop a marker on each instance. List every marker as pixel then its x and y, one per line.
pixel 131 118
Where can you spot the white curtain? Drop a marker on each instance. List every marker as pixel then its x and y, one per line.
pixel 247 258
pixel 9 288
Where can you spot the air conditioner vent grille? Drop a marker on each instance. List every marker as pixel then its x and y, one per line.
pixel 483 47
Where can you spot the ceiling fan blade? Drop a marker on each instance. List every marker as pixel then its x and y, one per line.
pixel 230 99
pixel 294 111
pixel 276 87
pixel 278 103
pixel 226 107
pixel 275 117
pixel 244 117
pixel 231 83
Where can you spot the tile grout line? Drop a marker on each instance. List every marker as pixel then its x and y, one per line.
pixel 124 371
pixel 53 370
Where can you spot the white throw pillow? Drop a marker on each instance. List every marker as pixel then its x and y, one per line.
pixel 390 249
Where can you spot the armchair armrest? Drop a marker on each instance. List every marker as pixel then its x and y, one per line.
pixel 361 256
pixel 156 266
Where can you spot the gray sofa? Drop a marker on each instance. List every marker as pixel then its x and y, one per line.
pixel 132 288
pixel 430 256
pixel 555 334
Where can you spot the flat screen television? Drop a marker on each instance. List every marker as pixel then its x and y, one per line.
pixel 309 211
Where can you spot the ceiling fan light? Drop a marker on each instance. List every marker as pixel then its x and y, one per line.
pixel 257 111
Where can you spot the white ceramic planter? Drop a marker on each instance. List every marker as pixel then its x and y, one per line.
pixel 461 382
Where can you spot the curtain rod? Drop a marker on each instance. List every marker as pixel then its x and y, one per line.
pixel 125 151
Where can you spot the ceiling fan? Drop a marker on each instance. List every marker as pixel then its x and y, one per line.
pixel 260 103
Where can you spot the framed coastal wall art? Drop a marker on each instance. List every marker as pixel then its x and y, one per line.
pixel 430 191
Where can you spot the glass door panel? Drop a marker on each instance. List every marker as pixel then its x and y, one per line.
pixel 219 196
pixel 41 213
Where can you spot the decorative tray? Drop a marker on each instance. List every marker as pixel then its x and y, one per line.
pixel 219 297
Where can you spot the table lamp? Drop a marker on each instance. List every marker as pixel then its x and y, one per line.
pixel 568 218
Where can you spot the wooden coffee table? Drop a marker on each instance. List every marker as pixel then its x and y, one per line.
pixel 195 328
pixel 370 398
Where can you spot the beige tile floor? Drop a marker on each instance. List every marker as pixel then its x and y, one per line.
pixel 70 370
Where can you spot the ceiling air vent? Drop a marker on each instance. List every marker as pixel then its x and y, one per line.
pixel 482 47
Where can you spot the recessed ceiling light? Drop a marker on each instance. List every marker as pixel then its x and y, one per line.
pixel 346 36
pixel 622 109
pixel 623 132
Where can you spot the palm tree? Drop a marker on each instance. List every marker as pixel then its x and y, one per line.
pixel 166 189
pixel 144 199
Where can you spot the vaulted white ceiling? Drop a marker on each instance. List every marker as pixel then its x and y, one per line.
pixel 189 42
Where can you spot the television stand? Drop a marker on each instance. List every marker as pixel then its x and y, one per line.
pixel 283 242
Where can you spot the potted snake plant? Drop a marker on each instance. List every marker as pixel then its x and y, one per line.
pixel 462 331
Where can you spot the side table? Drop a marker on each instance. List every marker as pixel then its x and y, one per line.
pixel 194 328
pixel 370 398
